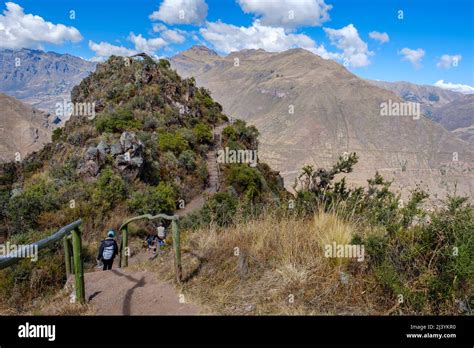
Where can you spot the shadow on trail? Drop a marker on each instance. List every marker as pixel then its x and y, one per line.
pixel 91 297
pixel 126 307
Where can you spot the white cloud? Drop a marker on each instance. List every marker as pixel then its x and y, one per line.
pixel 381 37
pixel 354 50
pixel 175 36
pixel 228 38
pixel 171 35
pixel 288 13
pixel 103 50
pixel 413 56
pixel 18 30
pixel 457 87
pixel 149 46
pixel 446 61
pixel 181 12
pixel 157 27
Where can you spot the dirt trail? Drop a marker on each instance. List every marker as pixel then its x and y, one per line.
pixel 120 292
pixel 126 292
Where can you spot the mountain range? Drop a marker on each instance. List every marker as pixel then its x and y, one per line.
pixel 311 111
pixel 39 78
pixel 308 109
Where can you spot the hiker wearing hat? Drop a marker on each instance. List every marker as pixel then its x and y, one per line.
pixel 108 250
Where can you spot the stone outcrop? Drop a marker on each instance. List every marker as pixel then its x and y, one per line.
pixel 126 156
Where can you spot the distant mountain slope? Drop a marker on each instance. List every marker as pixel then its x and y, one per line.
pixel 334 112
pixel 39 78
pixel 453 110
pixel 23 129
pixel 430 97
pixel 458 117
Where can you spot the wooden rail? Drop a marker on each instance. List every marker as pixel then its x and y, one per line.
pixel 72 254
pixel 124 251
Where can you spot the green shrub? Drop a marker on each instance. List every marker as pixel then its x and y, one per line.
pixel 117 122
pixel 109 190
pixel 173 142
pixel 187 159
pixel 165 64
pixel 429 264
pixel 189 135
pixel 219 209
pixel 25 207
pixel 245 179
pixel 204 98
pixel 203 133
pixel 229 133
pixel 160 199
pixel 57 134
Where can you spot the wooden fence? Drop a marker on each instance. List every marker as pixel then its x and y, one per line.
pixel 125 251
pixel 72 243
pixel 71 235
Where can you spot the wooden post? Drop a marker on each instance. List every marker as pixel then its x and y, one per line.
pixel 67 257
pixel 177 250
pixel 125 251
pixel 121 252
pixel 69 243
pixel 78 267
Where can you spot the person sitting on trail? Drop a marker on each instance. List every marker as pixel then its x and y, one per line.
pixel 108 250
pixel 151 240
pixel 161 234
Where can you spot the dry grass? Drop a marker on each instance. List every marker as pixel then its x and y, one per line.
pixel 273 266
pixel 56 304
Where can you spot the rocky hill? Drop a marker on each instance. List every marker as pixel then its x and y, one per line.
pixel 144 151
pixel 310 110
pixel 23 129
pixel 39 78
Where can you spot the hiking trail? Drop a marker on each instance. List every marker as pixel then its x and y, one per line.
pixel 128 292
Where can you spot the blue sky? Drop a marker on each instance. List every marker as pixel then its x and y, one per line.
pixel 433 41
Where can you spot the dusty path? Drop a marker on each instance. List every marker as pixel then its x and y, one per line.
pixel 119 292
pixel 126 292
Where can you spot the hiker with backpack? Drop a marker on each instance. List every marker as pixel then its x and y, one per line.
pixel 108 250
pixel 151 239
pixel 161 232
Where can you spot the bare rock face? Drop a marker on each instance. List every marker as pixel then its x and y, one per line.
pixel 127 157
pixel 91 163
